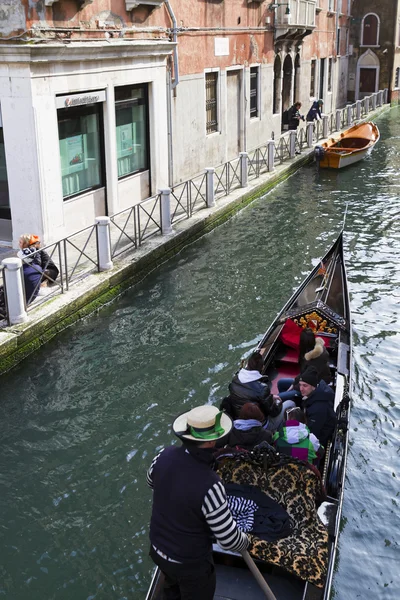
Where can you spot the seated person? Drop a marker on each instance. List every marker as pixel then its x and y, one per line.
pixel 276 412
pixel 312 352
pixel 318 400
pixel 248 385
pixel 247 431
pixel 32 274
pixel 294 438
pixel 50 270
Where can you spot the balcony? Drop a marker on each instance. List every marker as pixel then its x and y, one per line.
pixel 297 22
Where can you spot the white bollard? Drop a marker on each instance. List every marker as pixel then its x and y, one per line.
pixel 358 110
pixel 292 143
pixel 366 104
pixel 325 126
pixel 271 155
pixel 15 290
pixel 104 243
pixel 244 168
pixel 166 225
pixel 210 195
pixel 338 119
pixel 310 133
pixel 374 101
pixel 349 114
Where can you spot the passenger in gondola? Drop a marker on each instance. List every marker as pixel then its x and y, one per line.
pixel 248 385
pixel 318 400
pixel 190 507
pixel 247 431
pixel 295 439
pixel 312 353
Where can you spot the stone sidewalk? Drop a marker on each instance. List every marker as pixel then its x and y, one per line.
pixel 96 289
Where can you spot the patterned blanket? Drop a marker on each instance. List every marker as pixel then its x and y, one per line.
pixel 297 488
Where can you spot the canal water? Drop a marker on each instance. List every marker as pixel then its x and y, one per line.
pixel 81 419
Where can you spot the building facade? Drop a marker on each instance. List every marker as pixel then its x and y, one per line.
pixel 373 31
pixel 104 102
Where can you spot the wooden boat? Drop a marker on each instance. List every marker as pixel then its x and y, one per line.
pixel 322 301
pixel 350 147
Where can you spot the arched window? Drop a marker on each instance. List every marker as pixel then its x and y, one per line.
pixel 370 30
pixel 277 84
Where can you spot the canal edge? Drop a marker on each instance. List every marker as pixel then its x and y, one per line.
pixel 98 289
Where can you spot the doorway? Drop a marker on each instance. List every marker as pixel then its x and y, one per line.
pixel 367 81
pixel 287 82
pixel 233 89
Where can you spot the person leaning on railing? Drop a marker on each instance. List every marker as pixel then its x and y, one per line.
pixel 33 273
pixel 42 259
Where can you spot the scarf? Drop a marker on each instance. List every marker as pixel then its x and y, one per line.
pixel 246 424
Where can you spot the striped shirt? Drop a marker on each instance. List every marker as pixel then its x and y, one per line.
pixel 217 515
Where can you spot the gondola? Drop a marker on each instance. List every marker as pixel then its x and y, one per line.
pixel 351 146
pixel 321 302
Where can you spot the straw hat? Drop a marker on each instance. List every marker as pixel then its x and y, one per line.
pixel 202 424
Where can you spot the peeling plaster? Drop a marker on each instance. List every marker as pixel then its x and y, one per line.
pixel 12 17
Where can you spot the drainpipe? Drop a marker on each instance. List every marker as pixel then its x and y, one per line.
pixel 175 40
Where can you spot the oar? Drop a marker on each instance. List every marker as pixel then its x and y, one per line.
pixel 257 575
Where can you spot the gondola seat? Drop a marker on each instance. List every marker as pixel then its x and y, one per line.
pixel 296 487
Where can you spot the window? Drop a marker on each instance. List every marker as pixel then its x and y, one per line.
pixel 347 41
pixel 211 102
pixel 370 30
pixel 331 5
pixel 4 196
pixel 338 42
pixel 313 78
pixel 330 75
pixel 397 78
pixel 81 148
pixel 254 94
pixel 340 6
pixel 131 115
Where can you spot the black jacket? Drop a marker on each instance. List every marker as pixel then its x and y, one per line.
pixel 250 438
pixel 321 418
pixel 319 358
pixel 47 265
pixel 242 393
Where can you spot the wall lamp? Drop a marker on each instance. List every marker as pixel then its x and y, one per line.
pixel 275 5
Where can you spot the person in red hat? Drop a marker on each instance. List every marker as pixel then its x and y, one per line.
pixel 190 507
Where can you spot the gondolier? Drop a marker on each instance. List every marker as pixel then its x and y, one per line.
pixel 190 507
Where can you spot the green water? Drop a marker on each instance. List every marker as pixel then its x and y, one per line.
pixel 81 419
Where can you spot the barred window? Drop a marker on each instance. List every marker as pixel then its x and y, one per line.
pixel 397 78
pixel 330 75
pixel 312 78
pixel 254 86
pixel 211 102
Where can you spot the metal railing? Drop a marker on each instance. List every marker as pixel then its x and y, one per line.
pixel 3 300
pixel 77 255
pixel 258 162
pixel 227 177
pixel 149 218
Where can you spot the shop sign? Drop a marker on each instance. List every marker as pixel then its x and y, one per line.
pixel 80 99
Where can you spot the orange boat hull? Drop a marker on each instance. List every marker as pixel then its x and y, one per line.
pixel 351 146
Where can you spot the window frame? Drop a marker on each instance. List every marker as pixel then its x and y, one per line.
pixel 256 69
pixel 216 73
pixel 397 78
pixel 131 102
pixel 81 110
pixel 313 78
pixel 376 45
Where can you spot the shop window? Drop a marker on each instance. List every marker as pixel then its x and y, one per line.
pixel 80 135
pixel 211 102
pixel 330 75
pixel 370 30
pixel 131 114
pixel 254 91
pixel 313 78
pixel 4 196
